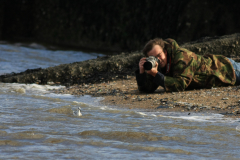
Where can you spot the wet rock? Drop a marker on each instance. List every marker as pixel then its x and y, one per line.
pixel 227 113
pixel 205 107
pixel 160 107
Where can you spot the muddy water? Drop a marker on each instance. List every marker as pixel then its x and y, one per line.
pixel 37 124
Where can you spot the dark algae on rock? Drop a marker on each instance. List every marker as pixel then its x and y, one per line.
pixel 90 71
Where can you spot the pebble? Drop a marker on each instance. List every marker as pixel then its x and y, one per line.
pixel 224 98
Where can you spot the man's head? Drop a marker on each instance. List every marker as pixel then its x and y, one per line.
pixel 155 48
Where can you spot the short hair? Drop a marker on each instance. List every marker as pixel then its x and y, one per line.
pixel 150 44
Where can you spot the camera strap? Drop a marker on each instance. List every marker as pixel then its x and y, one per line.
pixel 168 63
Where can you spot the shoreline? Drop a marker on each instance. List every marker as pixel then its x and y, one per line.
pixel 124 93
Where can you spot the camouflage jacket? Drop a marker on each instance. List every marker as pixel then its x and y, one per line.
pixel 189 71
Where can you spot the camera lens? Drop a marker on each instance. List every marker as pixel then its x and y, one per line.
pixel 147 65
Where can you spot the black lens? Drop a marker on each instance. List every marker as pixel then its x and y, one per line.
pixel 147 65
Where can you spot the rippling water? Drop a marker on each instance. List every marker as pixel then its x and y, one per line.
pixel 37 124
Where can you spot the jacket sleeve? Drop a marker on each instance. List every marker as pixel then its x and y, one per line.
pixel 182 76
pixel 145 82
pixel 181 70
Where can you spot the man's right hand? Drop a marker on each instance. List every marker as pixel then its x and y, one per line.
pixel 141 62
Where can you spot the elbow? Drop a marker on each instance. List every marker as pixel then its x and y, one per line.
pixel 143 89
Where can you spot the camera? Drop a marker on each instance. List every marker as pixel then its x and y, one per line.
pixel 150 62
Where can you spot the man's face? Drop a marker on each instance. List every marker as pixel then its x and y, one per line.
pixel 158 52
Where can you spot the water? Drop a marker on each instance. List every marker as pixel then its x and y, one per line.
pixel 37 124
pixel 17 58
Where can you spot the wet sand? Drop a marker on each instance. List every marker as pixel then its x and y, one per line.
pixel 124 93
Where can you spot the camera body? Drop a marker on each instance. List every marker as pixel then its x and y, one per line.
pixel 150 62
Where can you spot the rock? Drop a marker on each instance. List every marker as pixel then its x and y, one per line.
pixel 164 100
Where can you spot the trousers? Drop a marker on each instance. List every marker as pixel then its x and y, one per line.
pixel 236 67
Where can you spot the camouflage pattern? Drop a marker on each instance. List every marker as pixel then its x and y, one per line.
pixel 191 71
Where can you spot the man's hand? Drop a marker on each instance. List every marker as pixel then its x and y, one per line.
pixel 141 62
pixel 153 71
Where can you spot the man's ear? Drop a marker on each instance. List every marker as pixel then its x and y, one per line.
pixel 165 51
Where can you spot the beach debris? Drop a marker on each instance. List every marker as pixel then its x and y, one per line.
pixel 77 112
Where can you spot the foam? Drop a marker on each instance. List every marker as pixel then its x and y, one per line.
pixel 142 113
pixel 200 117
pixel 238 128
pixel 25 88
